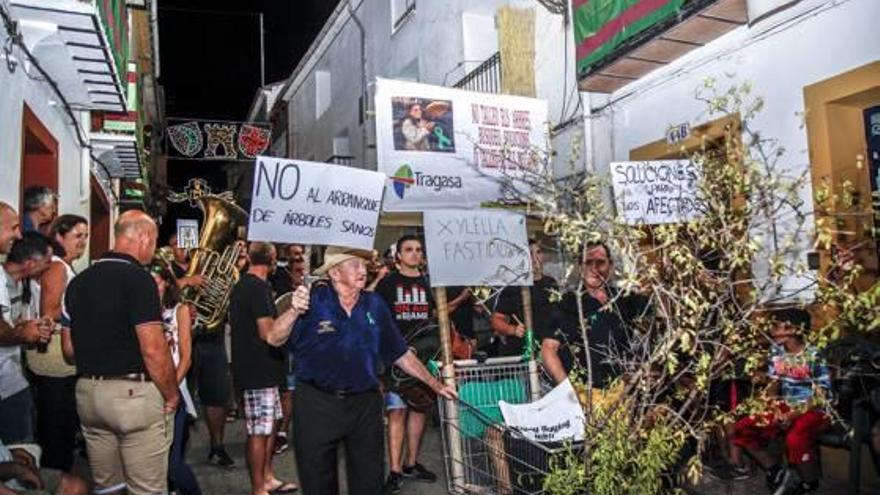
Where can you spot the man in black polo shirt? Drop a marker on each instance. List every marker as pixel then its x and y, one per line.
pixel 127 391
pixel 609 315
pixel 258 365
pixel 508 319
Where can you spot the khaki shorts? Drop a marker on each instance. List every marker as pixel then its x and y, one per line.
pixel 127 434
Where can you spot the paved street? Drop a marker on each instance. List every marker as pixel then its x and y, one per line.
pixel 234 481
pixel 215 480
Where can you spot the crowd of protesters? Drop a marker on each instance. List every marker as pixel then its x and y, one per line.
pixel 112 361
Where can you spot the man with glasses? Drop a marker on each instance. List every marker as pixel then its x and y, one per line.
pixel 609 315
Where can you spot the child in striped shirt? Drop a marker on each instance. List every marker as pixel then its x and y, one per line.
pixel 800 383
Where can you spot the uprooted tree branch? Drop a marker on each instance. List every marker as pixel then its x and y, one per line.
pixel 709 280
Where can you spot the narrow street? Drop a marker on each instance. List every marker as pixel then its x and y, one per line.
pixel 598 228
pixel 233 481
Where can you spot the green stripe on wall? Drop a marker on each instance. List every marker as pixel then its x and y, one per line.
pixel 595 14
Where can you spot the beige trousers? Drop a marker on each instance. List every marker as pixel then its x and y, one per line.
pixel 127 434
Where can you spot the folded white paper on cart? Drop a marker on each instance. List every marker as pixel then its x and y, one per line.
pixel 556 417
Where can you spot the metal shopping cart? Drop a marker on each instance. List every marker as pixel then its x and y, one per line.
pixel 482 455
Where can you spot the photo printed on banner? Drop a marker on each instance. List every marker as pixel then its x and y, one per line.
pixel 423 124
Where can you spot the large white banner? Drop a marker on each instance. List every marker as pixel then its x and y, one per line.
pixel 447 148
pixel 556 417
pixel 314 203
pixel 477 247
pixel 656 192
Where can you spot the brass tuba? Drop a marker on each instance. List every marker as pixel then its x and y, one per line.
pixel 220 244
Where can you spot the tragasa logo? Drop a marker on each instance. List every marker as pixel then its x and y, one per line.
pixel 404 178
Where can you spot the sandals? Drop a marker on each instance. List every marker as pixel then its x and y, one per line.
pixel 284 487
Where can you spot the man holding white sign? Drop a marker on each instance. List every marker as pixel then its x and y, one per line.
pixel 339 344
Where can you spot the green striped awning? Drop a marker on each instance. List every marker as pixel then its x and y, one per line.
pixel 600 26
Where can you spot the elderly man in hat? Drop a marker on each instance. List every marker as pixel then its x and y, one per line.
pixel 342 338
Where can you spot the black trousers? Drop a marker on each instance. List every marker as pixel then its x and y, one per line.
pixel 57 421
pixel 320 422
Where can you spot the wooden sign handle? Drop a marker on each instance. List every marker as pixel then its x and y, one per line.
pixel 443 320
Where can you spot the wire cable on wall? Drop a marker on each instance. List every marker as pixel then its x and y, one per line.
pixel 17 40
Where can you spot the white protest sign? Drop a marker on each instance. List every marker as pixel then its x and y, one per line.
pixel 449 148
pixel 314 203
pixel 656 192
pixel 556 417
pixel 187 233
pixel 477 247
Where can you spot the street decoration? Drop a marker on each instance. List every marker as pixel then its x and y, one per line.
pixel 195 189
pixel 253 140
pixel 217 140
pixel 186 138
pixel 220 136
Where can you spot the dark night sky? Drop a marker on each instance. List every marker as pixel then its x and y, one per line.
pixel 210 50
pixel 210 65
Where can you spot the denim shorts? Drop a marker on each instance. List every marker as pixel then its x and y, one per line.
pixel 393 401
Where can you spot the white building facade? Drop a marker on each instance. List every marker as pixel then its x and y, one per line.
pixel 68 101
pixel 802 58
pixel 624 109
pixel 430 42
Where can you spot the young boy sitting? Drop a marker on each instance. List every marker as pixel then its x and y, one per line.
pixel 799 384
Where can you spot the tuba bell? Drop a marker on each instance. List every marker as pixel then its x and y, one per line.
pixel 220 244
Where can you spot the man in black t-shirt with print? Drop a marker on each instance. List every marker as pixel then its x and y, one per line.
pixel 408 294
pixel 508 319
pixel 258 365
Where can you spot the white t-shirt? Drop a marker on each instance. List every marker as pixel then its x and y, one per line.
pixel 12 380
pixel 50 363
pixel 169 319
pixel 6 456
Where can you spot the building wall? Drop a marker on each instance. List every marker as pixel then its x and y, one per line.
pixel 438 44
pixel 73 174
pixel 779 56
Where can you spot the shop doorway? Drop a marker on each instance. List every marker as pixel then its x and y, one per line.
pixel 39 157
pixel 99 224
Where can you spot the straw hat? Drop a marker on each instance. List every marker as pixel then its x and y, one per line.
pixel 335 255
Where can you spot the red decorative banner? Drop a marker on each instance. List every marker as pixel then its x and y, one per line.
pixel 600 26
